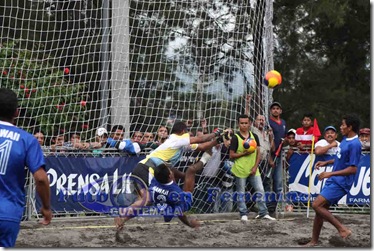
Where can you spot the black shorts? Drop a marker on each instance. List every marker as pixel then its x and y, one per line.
pixel 142 171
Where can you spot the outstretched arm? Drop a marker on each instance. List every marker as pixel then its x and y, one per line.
pixel 202 138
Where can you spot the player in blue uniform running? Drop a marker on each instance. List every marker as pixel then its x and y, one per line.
pixel 17 150
pixel 339 180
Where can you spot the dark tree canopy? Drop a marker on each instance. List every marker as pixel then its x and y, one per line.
pixel 323 53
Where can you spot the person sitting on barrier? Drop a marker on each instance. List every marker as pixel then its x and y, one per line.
pixel 364 137
pixel 329 144
pixel 305 132
pixel 168 198
pixel 291 143
pixel 125 145
pixel 58 143
pixel 40 136
pixel 75 141
pixel 169 153
pixel 117 132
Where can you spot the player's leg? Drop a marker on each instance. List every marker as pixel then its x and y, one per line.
pixel 321 207
pixel 189 179
pixel 240 197
pixel 317 227
pixel 178 175
pixel 258 187
pixel 141 175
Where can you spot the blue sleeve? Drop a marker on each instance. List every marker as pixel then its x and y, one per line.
pixel 129 147
pixel 355 154
pixel 34 155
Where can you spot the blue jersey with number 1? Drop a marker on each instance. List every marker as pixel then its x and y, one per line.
pixel 18 149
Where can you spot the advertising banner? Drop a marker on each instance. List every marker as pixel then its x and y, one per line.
pixel 89 183
pixel 299 172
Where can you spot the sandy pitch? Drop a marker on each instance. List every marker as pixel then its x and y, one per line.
pixel 218 230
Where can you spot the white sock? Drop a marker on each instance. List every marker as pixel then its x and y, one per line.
pixel 205 158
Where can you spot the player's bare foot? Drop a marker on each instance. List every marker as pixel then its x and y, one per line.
pixel 119 223
pixel 345 233
pixel 310 244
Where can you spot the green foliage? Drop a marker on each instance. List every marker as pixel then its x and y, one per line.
pixel 47 99
pixel 324 58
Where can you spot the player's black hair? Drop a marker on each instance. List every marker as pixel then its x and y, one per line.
pixel 117 127
pixel 244 116
pixel 162 173
pixel 8 103
pixel 354 121
pixel 178 127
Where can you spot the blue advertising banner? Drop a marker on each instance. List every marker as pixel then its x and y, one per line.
pixel 299 173
pixel 88 183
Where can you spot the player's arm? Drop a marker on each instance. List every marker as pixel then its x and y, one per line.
pixel 202 138
pixel 206 145
pixel 324 163
pixel 345 172
pixel 43 190
pixel 189 222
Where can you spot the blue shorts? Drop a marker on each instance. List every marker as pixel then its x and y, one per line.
pixel 8 233
pixel 332 192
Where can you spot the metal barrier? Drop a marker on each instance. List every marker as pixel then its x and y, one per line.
pixel 303 206
pixel 203 183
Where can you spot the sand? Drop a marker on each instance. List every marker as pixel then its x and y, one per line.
pixel 216 230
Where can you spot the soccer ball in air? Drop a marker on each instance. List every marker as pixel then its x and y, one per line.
pixel 250 145
pixel 273 79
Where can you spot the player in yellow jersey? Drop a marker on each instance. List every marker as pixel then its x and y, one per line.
pixel 169 153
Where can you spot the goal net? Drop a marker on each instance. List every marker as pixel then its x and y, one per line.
pixel 80 64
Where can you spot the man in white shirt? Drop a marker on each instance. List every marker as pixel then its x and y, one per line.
pixel 328 145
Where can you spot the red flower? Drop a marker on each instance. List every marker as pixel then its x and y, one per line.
pixel 27 95
pixel 5 73
pixel 85 126
pixel 60 107
pixel 83 103
pixel 22 86
pixel 66 70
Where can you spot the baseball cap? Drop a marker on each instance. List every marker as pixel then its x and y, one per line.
pixel 365 131
pixel 330 128
pixel 291 131
pixel 101 131
pixel 276 104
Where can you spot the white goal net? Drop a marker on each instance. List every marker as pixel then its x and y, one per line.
pixel 80 64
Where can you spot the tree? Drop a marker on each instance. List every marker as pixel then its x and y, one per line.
pixel 323 53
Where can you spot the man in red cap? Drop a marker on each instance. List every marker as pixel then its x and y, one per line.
pixel 364 137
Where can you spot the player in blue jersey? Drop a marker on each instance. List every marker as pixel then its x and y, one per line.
pixel 339 180
pixel 170 152
pixel 17 149
pixel 167 197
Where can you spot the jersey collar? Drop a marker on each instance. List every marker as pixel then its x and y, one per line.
pixel 5 123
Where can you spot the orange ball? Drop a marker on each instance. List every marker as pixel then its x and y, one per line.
pixel 250 145
pixel 273 79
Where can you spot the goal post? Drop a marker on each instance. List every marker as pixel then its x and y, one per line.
pixel 135 63
pixel 77 65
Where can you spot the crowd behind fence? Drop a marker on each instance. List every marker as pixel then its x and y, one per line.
pixel 73 163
